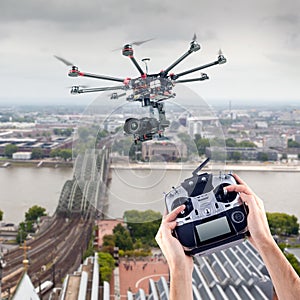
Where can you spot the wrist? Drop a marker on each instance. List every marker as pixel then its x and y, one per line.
pixel 266 245
pixel 182 267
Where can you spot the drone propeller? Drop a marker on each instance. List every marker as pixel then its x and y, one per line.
pixel 194 37
pixel 66 62
pixel 136 43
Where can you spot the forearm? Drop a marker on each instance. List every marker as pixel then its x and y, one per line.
pixel 285 280
pixel 181 284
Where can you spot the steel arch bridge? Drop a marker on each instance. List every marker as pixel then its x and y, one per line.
pixel 86 191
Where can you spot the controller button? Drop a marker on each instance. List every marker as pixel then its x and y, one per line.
pixel 237 217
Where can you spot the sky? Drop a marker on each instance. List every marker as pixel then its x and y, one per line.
pixel 260 40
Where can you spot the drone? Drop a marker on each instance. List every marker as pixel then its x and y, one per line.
pixel 148 89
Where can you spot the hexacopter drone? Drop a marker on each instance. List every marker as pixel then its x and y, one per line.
pixel 149 89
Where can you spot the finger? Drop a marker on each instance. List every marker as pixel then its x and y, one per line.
pixel 238 188
pixel 239 179
pixel 174 213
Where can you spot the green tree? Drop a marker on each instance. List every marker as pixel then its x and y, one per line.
pixel 236 156
pixel 246 144
pixel 143 226
pixel 230 142
pixel 107 264
pixel 34 213
pixel 37 153
pixel 293 144
pixel 283 224
pixel 23 230
pixel 63 131
pixel 1 215
pixel 66 154
pixel 262 156
pixel 10 149
pixel 201 144
pixel 122 237
pixel 55 153
pixel 108 243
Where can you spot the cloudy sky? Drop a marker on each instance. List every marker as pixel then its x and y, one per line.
pixel 259 38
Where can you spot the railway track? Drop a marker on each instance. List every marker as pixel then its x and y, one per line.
pixel 53 254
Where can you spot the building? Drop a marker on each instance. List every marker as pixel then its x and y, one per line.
pixel 21 155
pixel 25 288
pixel 163 150
pixel 198 125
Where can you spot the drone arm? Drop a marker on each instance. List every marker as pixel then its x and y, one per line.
pixel 221 60
pixel 203 77
pixel 194 46
pixel 78 90
pixel 137 65
pixel 75 73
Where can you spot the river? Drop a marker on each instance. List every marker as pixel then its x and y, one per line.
pixel 23 187
pixel 143 189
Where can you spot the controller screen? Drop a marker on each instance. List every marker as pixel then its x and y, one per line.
pixel 213 229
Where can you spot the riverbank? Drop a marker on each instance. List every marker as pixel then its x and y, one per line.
pixel 245 166
pixel 7 163
pixel 248 166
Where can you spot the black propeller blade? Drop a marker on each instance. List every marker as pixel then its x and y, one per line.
pixel 66 62
pixel 136 43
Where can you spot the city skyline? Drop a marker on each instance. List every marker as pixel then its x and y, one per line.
pixel 261 44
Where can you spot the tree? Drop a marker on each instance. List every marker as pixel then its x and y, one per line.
pixel 37 153
pixel 109 243
pixel 1 215
pixel 236 156
pixel 283 224
pixel 55 153
pixel 123 239
pixel 143 225
pixel 24 228
pixel 10 149
pixel 107 264
pixel 246 144
pixel 201 144
pixel 66 154
pixel 262 156
pixel 293 144
pixel 34 213
pixel 230 142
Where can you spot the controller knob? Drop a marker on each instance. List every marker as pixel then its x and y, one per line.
pixel 188 206
pixel 222 195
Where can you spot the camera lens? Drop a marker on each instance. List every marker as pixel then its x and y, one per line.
pixel 132 126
